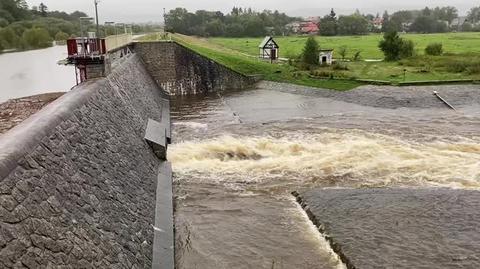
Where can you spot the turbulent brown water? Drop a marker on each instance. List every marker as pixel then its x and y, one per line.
pixel 238 156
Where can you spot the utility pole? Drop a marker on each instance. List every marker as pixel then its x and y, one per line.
pixel 96 17
pixel 164 20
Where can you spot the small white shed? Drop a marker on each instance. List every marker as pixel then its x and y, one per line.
pixel 326 57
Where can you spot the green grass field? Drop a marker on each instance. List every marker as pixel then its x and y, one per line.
pixel 368 45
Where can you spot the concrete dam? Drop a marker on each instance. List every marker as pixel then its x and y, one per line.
pixel 170 160
pixel 79 181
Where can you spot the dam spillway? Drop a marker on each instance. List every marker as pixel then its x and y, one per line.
pixel 81 187
pixel 238 158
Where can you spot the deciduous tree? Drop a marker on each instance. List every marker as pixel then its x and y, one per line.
pixel 352 25
pixel 395 48
pixel 37 38
pixel 43 9
pixel 328 24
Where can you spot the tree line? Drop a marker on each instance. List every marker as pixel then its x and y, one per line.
pixel 240 22
pixel 437 20
pixel 427 20
pixel 245 22
pixel 22 27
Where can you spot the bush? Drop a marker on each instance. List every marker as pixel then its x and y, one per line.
pixel 310 51
pixel 474 68
pixel 3 22
pixel 292 57
pixel 339 66
pixel 322 74
pixel 457 67
pixel 328 74
pixel 356 56
pixel 434 49
pixel 297 74
pixel 395 48
pixel 61 36
pixel 300 65
pixel 37 38
pixel 407 49
pixel 9 38
pixel 342 51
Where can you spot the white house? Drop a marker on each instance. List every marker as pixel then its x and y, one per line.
pixel 326 56
pixel 457 23
pixel 293 27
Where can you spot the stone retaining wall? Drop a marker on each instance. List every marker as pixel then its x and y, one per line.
pixel 79 185
pixel 77 180
pixel 181 71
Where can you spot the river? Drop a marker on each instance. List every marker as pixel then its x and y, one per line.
pixel 34 72
pixel 238 156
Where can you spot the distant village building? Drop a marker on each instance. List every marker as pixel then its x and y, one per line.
pixel 306 27
pixel 406 26
pixel 326 56
pixel 309 28
pixel 377 23
pixel 315 20
pixel 457 23
pixel 293 27
pixel 269 48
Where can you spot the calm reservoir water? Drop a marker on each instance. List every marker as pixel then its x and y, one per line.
pixel 34 72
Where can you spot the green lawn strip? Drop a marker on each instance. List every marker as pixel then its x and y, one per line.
pixel 448 68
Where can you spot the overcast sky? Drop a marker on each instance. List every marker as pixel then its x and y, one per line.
pixel 152 10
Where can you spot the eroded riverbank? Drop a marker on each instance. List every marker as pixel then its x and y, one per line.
pixel 238 156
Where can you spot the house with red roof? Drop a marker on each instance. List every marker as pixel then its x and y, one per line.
pixel 306 27
pixel 377 23
pixel 309 28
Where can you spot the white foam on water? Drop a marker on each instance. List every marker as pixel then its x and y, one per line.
pixel 191 124
pixel 356 157
pixel 323 244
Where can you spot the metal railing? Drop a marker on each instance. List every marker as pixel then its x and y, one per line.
pixel 114 42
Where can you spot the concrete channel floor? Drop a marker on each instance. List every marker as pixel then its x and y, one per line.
pixel 399 228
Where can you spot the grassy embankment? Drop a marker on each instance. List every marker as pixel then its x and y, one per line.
pixel 461 60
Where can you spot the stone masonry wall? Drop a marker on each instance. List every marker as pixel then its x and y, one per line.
pixel 181 71
pixel 77 180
